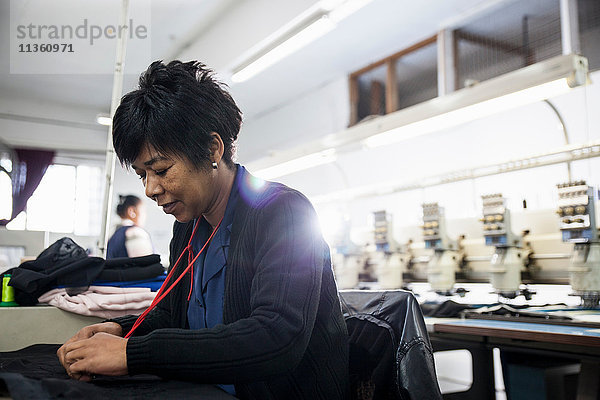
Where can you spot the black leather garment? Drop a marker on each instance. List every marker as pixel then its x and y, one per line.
pixel 390 353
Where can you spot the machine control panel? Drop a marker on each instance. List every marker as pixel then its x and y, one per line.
pixel 432 221
pixel 434 229
pixel 496 221
pixel 576 209
pixel 382 230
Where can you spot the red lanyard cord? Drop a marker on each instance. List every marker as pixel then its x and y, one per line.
pixel 162 293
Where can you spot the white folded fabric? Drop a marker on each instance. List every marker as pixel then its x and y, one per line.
pixel 101 301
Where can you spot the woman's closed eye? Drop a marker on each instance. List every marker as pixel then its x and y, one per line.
pixel 161 172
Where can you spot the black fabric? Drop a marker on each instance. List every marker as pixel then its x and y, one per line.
pixel 126 269
pixel 517 311
pixel 35 373
pixel 64 263
pixel 67 264
pixel 391 356
pixel 447 309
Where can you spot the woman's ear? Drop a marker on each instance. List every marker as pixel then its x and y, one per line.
pixel 217 147
pixel 131 212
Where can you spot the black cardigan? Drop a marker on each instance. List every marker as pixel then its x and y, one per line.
pixel 284 336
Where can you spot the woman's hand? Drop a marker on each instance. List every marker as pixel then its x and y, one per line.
pixel 87 332
pixel 103 354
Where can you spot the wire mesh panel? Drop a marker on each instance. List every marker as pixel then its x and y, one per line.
pixel 371 93
pixel 589 31
pixel 416 76
pixel 400 80
pixel 506 39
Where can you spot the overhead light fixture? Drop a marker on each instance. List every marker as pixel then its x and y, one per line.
pixel 312 31
pixel 307 27
pixel 536 82
pixel 297 164
pixel 104 119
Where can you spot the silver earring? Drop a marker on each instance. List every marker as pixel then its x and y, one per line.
pixel 214 165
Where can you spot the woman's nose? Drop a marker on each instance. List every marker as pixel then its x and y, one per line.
pixel 153 187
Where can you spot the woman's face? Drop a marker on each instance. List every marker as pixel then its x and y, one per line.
pixel 175 184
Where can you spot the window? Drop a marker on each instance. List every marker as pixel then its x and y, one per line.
pixel 5 186
pixel 401 80
pixel 68 200
pixel 5 196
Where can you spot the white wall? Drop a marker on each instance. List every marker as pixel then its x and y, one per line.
pixel 44 125
pixel 315 114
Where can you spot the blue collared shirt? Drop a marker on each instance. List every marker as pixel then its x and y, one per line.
pixel 205 309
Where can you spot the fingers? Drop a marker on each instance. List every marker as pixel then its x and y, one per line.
pixel 69 353
pixel 83 333
pixel 79 368
pixel 84 378
pixel 73 356
pixel 103 353
pixel 78 371
pixel 86 333
pixel 76 363
pixel 61 353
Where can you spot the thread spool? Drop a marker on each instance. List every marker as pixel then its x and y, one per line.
pixel 8 293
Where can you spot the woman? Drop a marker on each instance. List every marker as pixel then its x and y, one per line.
pixel 253 306
pixel 130 239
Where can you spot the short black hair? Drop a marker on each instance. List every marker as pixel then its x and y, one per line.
pixel 125 202
pixel 175 110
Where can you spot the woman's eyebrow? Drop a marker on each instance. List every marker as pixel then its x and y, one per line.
pixel 154 159
pixel 151 161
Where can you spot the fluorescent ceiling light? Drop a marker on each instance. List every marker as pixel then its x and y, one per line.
pixel 307 27
pixel 104 119
pixel 297 164
pixel 536 82
pixel 314 30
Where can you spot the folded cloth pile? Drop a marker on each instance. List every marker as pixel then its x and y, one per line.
pixel 66 264
pixel 101 301
pixel 127 269
pixel 154 283
pixel 63 263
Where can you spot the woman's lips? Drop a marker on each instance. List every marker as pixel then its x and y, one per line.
pixel 169 207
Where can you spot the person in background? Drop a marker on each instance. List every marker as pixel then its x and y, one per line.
pixel 250 303
pixel 130 239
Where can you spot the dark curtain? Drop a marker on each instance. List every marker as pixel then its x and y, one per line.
pixel 27 172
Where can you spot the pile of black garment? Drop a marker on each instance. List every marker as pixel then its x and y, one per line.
pixel 66 264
